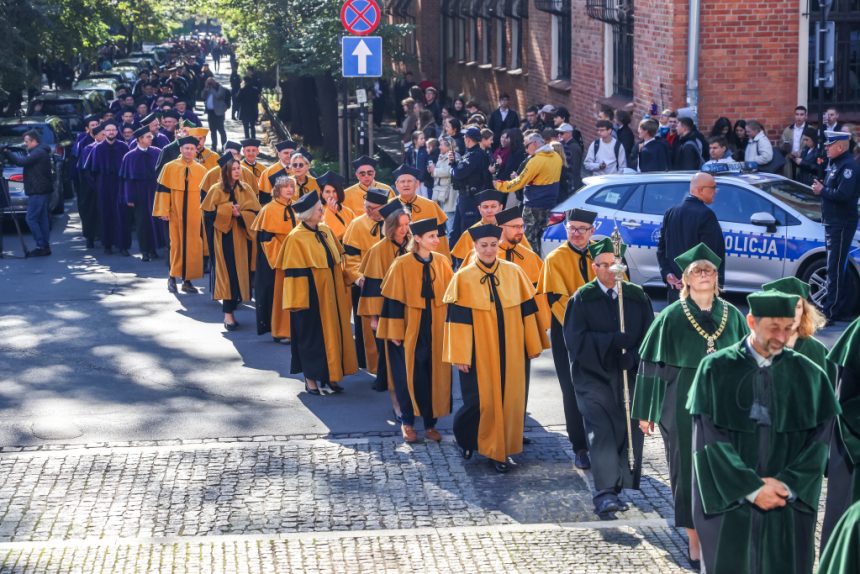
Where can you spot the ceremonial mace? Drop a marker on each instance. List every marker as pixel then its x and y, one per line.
pixel 619 268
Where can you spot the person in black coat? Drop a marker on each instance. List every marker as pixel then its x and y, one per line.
pixel 248 100
pixel 653 151
pixel 686 225
pixel 688 154
pixel 502 118
pixel 235 87
pixel 625 135
pixel 38 187
pixel 599 354
pixel 469 176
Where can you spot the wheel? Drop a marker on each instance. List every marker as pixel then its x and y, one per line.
pixel 815 273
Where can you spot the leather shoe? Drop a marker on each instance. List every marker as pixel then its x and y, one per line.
pixel 39 252
pixel 311 391
pixel 145 257
pixel 171 285
pixel 231 326
pixel 432 434
pixel 187 287
pixel 336 387
pixel 409 434
pixel 608 505
pixel 501 467
pixel 527 440
pixel 581 460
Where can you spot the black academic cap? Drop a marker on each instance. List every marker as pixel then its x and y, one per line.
pixel 286 144
pixel 225 159
pixel 107 123
pixel 507 215
pixel 407 170
pixel 490 195
pixel 376 196
pixel 423 226
pixel 331 178
pixel 233 145
pixel 305 154
pixel 391 207
pixel 98 129
pixel 148 119
pixel 251 142
pixel 92 118
pixel 188 140
pixel 582 215
pixel 171 114
pixel 363 160
pixel 486 230
pixel 141 131
pixel 306 202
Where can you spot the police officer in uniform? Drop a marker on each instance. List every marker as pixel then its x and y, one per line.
pixel 470 177
pixel 839 194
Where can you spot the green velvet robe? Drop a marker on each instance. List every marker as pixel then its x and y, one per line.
pixel 842 553
pixel 843 474
pixel 815 351
pixel 669 357
pixel 733 452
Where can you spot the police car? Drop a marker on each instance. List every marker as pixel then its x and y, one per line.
pixel 771 225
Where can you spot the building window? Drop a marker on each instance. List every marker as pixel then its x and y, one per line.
pixel 618 15
pixel 517 11
pixel 486 13
pixel 842 87
pixel 560 34
pixel 498 11
pixel 403 14
pixel 450 9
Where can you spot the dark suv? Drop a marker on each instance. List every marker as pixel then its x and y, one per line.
pixel 71 105
pixel 54 134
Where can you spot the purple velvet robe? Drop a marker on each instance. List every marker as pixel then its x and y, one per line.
pixel 139 182
pixel 104 163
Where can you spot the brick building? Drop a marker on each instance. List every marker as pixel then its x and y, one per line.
pixel 754 55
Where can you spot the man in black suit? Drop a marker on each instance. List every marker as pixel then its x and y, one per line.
pixel 502 118
pixel 653 151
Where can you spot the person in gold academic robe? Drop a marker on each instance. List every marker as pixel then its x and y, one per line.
pixel 279 169
pixel 315 294
pixel 229 209
pixel 177 201
pixel 365 173
pixel 373 268
pixel 250 151
pixel 490 202
pixel 566 269
pixel 300 168
pixel 337 215
pixel 363 233
pixel 491 329
pixel 272 226
pixel 413 325
pixel 407 180
pixel 204 156
pixel 213 176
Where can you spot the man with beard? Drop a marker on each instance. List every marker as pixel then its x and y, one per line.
pixel 159 140
pixel 139 182
pixel 104 163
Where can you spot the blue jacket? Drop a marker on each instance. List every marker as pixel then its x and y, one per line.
pixel 841 191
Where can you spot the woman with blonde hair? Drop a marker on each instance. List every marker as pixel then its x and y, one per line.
pixel 683 334
pixel 807 320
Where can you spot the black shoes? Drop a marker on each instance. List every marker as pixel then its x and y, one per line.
pixel 607 507
pixel 581 460
pixel 145 257
pixel 311 391
pixel 336 387
pixel 124 253
pixel 39 252
pixel 187 287
pixel 527 440
pixel 502 467
pixel 231 326
pixel 171 285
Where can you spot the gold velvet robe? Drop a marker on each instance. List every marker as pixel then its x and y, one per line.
pixel 207 158
pixel 402 310
pixel 273 224
pixel 338 222
pixel 212 177
pixel 492 327
pixel 465 245
pixel 178 197
pixel 562 276
pixel 268 178
pixel 355 195
pixel 420 208
pixel 231 239
pixel 361 234
pixel 314 292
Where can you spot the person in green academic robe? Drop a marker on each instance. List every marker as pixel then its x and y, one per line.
pixel 842 553
pixel 762 415
pixel 682 335
pixel 843 470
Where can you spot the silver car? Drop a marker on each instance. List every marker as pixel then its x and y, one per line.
pixel 771 225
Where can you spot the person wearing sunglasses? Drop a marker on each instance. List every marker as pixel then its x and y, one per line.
pixel 365 173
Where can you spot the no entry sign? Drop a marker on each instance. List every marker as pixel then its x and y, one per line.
pixel 360 17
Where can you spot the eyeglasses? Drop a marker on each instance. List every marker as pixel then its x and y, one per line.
pixel 579 230
pixel 514 226
pixel 298 165
pixel 368 172
pixel 703 271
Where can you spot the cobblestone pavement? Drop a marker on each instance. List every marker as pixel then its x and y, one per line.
pixel 279 504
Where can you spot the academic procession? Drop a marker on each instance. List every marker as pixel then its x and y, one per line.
pixel 442 305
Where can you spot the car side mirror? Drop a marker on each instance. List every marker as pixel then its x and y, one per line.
pixel 764 219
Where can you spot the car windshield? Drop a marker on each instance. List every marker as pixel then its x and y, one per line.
pixel 11 131
pixel 60 108
pixel 794 195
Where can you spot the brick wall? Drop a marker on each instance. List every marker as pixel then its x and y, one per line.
pixel 747 65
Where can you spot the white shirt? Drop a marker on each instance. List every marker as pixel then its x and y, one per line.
pixel 606 155
pixel 504 113
pixel 796 136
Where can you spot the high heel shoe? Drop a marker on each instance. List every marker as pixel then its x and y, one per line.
pixel 311 391
pixel 336 387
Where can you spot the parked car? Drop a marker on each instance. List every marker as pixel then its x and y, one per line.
pixel 56 135
pixel 123 75
pixel 153 59
pixel 771 225
pixel 139 63
pixel 71 105
pixel 105 86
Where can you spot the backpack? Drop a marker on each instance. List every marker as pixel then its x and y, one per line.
pixel 616 150
pixel 776 163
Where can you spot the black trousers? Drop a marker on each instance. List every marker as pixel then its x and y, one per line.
pixel 229 306
pixel 838 297
pixel 88 209
pixel 572 416
pixel 250 129
pixel 143 223
pixel 216 126
pixel 422 383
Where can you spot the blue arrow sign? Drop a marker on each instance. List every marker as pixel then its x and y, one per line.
pixel 361 56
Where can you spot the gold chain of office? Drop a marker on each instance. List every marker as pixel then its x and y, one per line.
pixel 712 338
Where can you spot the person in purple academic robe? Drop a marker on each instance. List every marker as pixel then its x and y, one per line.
pixel 159 140
pixel 104 163
pixel 88 209
pixel 139 182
